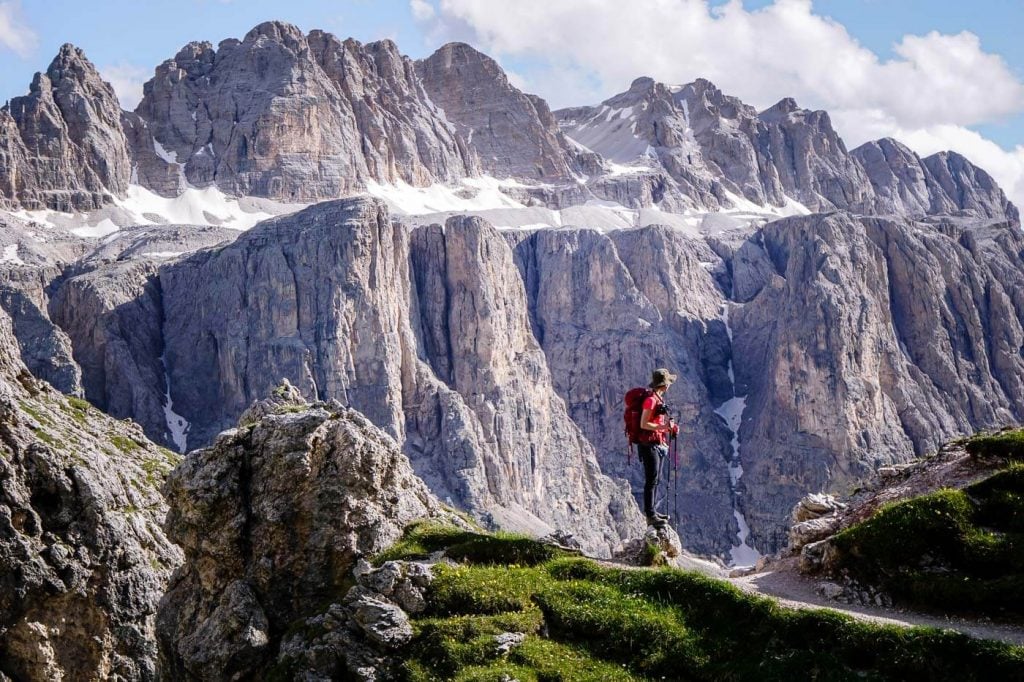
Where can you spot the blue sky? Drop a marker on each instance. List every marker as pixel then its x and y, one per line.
pixel 581 51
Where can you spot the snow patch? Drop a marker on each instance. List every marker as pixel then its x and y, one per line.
pixel 10 255
pixel 177 426
pixel 100 229
pixel 169 157
pixel 162 254
pixel 194 206
pixel 742 553
pixel 611 133
pixel 440 198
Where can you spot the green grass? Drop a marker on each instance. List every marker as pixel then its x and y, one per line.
pixel 44 435
pixel 424 538
pixel 950 551
pixel 35 413
pixel 1005 445
pixel 586 622
pixel 124 444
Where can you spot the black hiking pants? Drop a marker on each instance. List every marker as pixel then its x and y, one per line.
pixel 653 457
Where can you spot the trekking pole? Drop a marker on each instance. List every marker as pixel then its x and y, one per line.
pixel 675 483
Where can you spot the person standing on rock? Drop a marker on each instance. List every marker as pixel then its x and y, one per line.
pixel 656 427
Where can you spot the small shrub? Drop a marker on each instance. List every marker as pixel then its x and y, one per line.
pixel 900 534
pixel 423 538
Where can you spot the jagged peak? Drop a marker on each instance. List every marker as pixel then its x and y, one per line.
pixel 459 47
pixel 885 144
pixel 454 53
pixel 70 61
pixel 704 85
pixel 280 31
pixel 784 107
pixel 462 52
pixel 196 49
pixel 642 83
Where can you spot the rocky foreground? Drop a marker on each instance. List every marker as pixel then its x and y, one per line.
pixel 84 559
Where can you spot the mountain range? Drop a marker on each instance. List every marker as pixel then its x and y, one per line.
pixel 483 277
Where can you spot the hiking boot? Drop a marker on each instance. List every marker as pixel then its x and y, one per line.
pixel 657 520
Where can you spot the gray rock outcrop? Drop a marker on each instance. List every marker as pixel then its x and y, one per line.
pixel 437 351
pixel 294 117
pixel 61 145
pixel 514 135
pixel 114 314
pixel 944 183
pixel 272 519
pixel 874 341
pixel 44 347
pixel 714 148
pixel 83 560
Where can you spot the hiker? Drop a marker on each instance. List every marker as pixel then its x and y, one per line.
pixel 651 432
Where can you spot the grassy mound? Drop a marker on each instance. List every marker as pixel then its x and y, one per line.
pixel 1006 445
pixel 950 551
pixel 586 622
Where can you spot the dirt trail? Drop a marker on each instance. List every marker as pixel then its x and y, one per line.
pixel 792 589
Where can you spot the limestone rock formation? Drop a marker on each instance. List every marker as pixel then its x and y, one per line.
pixel 514 135
pixel 944 183
pixel 113 313
pixel 873 341
pixel 44 347
pixel 437 351
pixel 272 518
pixel 295 117
pixel 83 560
pixel 61 145
pixel 714 149
pixel 608 308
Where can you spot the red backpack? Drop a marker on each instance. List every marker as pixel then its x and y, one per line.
pixel 631 416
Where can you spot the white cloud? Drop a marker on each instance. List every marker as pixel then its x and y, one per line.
pixel 421 10
pixel 127 80
pixel 582 51
pixel 15 33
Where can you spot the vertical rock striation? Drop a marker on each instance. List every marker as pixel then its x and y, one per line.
pixel 874 340
pixel 296 117
pixel 61 145
pixel 426 332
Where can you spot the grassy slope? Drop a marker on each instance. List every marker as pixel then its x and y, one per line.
pixel 588 622
pixel 951 550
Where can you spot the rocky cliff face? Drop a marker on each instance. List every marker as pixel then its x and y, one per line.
pixel 294 496
pixel 83 560
pixel 873 340
pixel 44 347
pixel 301 118
pixel 813 337
pixel 944 183
pixel 606 309
pixel 61 146
pixel 513 134
pixel 437 351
